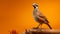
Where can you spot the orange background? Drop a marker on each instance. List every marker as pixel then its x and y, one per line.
pixel 18 14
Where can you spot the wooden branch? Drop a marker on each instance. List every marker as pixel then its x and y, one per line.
pixel 42 31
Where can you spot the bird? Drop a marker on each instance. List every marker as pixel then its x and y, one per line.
pixel 39 17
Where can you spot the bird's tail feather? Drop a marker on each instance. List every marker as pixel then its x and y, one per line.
pixel 49 26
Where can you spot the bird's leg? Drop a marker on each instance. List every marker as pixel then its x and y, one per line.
pixel 38 26
pixel 41 27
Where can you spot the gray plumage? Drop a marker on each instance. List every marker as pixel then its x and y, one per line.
pixel 39 17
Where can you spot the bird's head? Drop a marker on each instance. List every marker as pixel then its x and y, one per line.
pixel 35 5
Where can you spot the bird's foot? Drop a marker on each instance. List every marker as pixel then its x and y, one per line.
pixel 36 28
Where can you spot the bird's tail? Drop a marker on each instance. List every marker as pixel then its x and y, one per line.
pixel 49 26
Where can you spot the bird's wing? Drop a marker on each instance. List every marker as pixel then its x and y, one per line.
pixel 41 17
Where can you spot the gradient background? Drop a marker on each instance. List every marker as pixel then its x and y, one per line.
pixel 17 14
